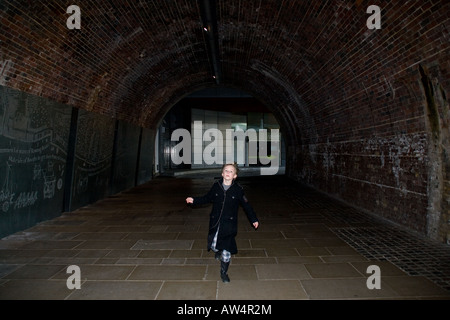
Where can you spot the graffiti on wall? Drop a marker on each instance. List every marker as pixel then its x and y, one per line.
pixel 33 149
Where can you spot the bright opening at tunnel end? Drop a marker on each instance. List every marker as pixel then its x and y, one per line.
pixel 213 153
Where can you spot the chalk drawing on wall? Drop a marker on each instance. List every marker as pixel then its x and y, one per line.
pixel 93 153
pixel 33 148
pixel 6 193
pixel 49 182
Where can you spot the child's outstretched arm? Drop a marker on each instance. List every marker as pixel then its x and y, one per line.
pixel 207 198
pixel 251 215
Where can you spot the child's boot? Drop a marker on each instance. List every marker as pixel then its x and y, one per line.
pixel 223 271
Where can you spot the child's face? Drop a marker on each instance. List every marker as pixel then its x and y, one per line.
pixel 229 173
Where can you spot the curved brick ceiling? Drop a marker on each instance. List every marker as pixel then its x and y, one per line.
pixel 315 64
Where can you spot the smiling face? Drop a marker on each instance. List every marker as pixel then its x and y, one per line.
pixel 229 173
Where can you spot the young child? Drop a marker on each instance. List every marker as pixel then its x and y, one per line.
pixel 226 195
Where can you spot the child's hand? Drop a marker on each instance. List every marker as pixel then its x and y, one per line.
pixel 189 200
pixel 255 225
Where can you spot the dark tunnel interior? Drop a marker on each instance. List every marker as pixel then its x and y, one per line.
pixel 89 96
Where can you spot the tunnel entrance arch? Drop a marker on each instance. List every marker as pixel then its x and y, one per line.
pixel 224 111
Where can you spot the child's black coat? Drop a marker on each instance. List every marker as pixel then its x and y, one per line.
pixel 224 214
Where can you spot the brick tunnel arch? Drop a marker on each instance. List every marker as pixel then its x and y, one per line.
pixel 284 114
pixel 365 111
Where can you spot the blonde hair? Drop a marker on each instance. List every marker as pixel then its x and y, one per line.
pixel 234 165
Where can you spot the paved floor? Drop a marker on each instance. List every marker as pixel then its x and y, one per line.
pixel 146 243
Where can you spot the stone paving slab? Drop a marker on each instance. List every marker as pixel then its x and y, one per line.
pixel 146 243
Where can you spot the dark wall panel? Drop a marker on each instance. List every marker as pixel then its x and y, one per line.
pixel 147 150
pixel 55 158
pixel 93 156
pixel 33 150
pixel 125 157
